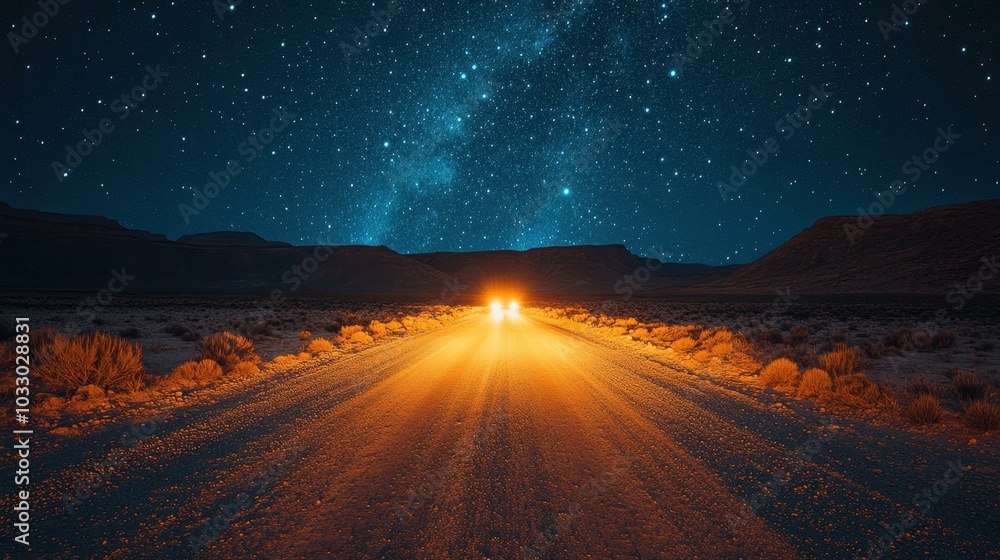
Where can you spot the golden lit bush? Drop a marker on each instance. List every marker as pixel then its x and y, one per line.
pixel 722 348
pixel 318 345
pixel 842 360
pixel 394 325
pixel 305 335
pixel 68 363
pixel 982 415
pixel 304 356
pixel 683 344
pixel 244 369
pixel 378 329
pixel 362 337
pixel 702 355
pixel 347 331
pixel 227 349
pixel 285 360
pixel 924 409
pixel 669 333
pixel 815 382
pixel 780 373
pixel 193 373
pixel 641 334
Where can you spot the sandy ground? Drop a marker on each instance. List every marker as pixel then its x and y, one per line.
pixel 508 439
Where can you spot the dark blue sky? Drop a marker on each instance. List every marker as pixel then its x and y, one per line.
pixel 489 125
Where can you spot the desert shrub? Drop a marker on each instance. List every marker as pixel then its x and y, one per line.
pixel 683 344
pixel 924 409
pixel 984 346
pixel 641 334
pixel 195 372
pixel 982 415
pixel 394 325
pixel 362 337
pixel 244 369
pixel 305 335
pixel 669 333
pixel 304 356
pixel 332 326
pixel 919 386
pixel 346 332
pixel 899 338
pixel 873 349
pixel 945 338
pixel 378 328
pixel 68 363
pixel 815 382
pixel 227 349
pixel 285 360
pixel 780 372
pixel 798 335
pixel 318 345
pixel 722 348
pixel 702 355
pixel 968 386
pixel 842 360
pixel 580 317
pixel 857 390
pixel 176 330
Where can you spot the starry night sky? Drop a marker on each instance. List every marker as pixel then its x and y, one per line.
pixel 489 125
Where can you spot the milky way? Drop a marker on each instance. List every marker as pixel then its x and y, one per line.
pixel 431 126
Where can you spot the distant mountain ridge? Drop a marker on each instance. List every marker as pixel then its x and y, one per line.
pixel 925 252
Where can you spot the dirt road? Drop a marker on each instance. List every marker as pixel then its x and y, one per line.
pixel 508 439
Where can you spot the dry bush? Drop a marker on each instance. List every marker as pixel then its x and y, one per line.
pixel 968 386
pixel 394 325
pixel 68 363
pixel 920 386
pixel 702 355
pixel 305 335
pixel 857 390
pixel 304 356
pixel 873 349
pixel 378 328
pixel 899 338
pixel 842 360
pixel 244 369
pixel 669 333
pixel 347 331
pixel 641 334
pixel 798 335
pixel 195 372
pixel 815 383
pixel 362 337
pixel 683 344
pixel 318 345
pixel 285 360
pixel 982 415
pixel 781 372
pixel 580 317
pixel 924 409
pixel 722 348
pixel 945 338
pixel 227 349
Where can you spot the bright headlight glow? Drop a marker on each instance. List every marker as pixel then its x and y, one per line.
pixel 497 309
pixel 514 306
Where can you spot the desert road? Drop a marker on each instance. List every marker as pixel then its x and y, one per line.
pixel 510 438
